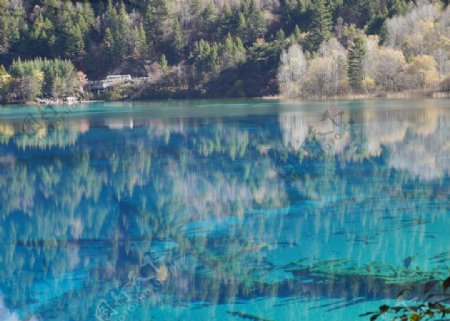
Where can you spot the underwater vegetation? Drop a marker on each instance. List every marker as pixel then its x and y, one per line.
pixel 433 307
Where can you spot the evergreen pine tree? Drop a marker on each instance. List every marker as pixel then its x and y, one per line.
pixel 74 42
pixel 150 25
pixel 200 57
pixel 229 45
pixel 241 25
pixel 108 47
pixel 355 58
pixel 4 40
pixel 225 21
pixel 111 16
pixel 281 36
pixel 210 14
pixel 195 7
pixel 256 21
pixel 162 8
pixel 17 69
pixel 88 15
pixel 240 45
pixel 177 42
pixel 158 22
pixel 214 59
pixel 164 64
pixel 228 52
pixel 40 33
pixel 239 50
pixel 140 45
pixel 297 35
pixel 5 79
pixel 321 25
pixel 122 31
pixel 10 26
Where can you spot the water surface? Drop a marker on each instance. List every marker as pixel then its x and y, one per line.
pixel 221 210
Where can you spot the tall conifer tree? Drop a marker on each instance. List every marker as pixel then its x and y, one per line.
pixel 355 58
pixel 321 25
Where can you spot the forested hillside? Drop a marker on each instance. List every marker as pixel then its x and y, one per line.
pixel 218 48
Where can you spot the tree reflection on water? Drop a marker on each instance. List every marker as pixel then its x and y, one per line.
pixel 221 209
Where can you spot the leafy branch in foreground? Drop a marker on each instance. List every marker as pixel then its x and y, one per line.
pixel 432 307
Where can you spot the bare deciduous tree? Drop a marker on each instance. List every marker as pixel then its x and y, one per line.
pixel 338 67
pixel 291 71
pixel 401 27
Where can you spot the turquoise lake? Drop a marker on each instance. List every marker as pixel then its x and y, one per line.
pixel 221 210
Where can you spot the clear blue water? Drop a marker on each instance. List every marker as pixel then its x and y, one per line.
pixel 221 210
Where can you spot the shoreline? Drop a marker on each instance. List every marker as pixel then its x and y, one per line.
pixel 386 96
pixel 61 101
pixel 389 96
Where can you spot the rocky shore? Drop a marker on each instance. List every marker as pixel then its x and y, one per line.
pixel 58 101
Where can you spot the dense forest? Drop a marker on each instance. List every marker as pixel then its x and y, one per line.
pixel 217 48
